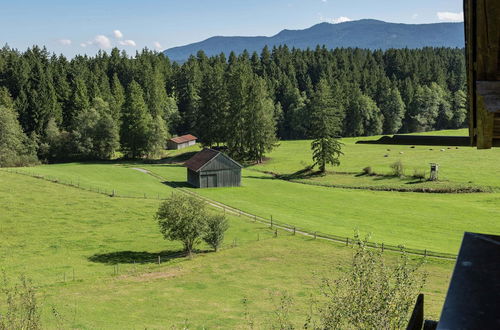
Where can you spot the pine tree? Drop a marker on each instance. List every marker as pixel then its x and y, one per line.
pixel 459 105
pixel 325 126
pixel 14 149
pixel 80 101
pixel 213 125
pixel 239 80
pixel 118 94
pixel 393 109
pixel 136 123
pixel 326 150
pixel 260 134
pixel 325 111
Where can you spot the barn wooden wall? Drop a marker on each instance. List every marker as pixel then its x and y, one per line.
pixel 482 34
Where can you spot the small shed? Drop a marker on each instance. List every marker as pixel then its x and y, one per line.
pixel 181 142
pixel 211 168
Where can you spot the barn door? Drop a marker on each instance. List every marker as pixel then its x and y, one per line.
pixel 209 181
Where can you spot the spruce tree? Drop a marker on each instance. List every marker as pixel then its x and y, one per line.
pixel 259 118
pixel 118 93
pixel 393 109
pixel 213 125
pixel 136 123
pixel 325 126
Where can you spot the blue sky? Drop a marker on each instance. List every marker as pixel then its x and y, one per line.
pixel 76 27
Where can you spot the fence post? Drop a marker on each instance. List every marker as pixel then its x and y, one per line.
pixel 347 241
pixel 159 260
pixel 425 252
pixel 314 235
pixel 294 230
pixel 276 233
pixel 271 221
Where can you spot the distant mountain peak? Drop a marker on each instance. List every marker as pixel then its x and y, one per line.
pixel 364 33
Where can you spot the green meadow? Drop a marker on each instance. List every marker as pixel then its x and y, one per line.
pixel 93 258
pixel 85 233
pixel 431 221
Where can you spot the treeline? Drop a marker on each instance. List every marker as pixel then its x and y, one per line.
pixel 56 109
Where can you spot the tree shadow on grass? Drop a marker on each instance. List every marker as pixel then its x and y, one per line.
pixel 140 257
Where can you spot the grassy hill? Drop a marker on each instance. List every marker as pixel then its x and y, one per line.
pixel 94 259
pixel 416 220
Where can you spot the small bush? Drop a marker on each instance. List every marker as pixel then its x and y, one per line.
pixel 21 310
pixel 368 170
pixel 419 174
pixel 398 168
pixel 216 227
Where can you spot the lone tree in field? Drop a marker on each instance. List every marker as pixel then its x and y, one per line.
pixel 185 218
pixel 326 125
pixel 326 150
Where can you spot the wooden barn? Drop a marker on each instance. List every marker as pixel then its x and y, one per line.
pixel 211 168
pixel 181 142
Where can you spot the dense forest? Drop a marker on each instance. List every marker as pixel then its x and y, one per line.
pixel 58 109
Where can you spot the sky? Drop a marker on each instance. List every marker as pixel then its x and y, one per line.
pixel 75 27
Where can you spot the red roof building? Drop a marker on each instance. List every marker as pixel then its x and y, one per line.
pixel 180 142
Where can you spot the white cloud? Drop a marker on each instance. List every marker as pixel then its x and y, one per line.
pixel 118 34
pixel 64 42
pixel 450 17
pixel 157 45
pixel 127 43
pixel 102 41
pixel 341 19
pixel 414 16
pixel 83 44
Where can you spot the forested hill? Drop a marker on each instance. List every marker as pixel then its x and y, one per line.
pixel 366 33
pixel 55 109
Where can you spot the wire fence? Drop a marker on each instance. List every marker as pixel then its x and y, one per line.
pixel 271 222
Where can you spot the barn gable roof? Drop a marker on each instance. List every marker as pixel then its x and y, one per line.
pixel 204 157
pixel 184 138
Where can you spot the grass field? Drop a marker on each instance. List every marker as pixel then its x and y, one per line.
pixel 462 165
pixel 50 231
pixel 416 220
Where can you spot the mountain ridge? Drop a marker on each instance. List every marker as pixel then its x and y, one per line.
pixel 365 33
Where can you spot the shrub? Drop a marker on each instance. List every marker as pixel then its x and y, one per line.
pixel 216 227
pixel 419 174
pixel 21 310
pixel 368 170
pixel 371 294
pixel 397 168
